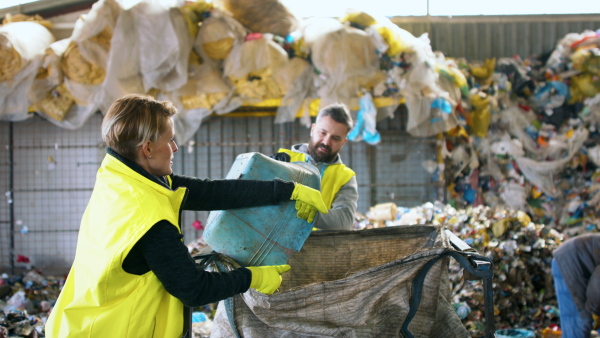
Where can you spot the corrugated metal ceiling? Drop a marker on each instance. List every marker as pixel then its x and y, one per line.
pixel 473 37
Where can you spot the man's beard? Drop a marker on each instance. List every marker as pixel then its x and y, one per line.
pixel 318 156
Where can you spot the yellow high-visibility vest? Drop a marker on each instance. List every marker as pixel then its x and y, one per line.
pixel 334 176
pixel 99 298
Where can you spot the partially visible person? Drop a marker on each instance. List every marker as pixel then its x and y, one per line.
pixel 339 188
pixel 576 273
pixel 132 274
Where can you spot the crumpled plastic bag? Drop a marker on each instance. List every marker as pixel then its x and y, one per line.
pixel 449 71
pixel 387 36
pixel 522 82
pixel 365 127
pixel 541 173
pixel 507 146
pixel 518 119
pixel 513 194
pixel 587 60
pixel 583 86
pixel 428 116
pixel 482 113
pixel 419 84
pixel 18 301
pixel 552 95
pixel 430 99
pixel 560 56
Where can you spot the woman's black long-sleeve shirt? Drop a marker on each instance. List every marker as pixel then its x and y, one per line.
pixel 162 251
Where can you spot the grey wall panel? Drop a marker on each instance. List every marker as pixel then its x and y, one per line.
pixel 498 40
pixel 54 173
pixel 479 37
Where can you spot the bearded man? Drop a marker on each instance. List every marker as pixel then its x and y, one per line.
pixel 338 182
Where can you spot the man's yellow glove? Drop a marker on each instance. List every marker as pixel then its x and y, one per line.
pixel 267 279
pixel 308 202
pixel 596 321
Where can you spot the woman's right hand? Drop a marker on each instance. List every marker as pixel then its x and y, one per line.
pixel 267 279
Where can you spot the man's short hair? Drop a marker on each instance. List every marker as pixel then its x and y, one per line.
pixel 339 113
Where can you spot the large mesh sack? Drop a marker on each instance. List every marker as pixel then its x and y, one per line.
pixel 386 282
pixel 151 47
pixel 196 99
pixel 84 62
pixel 48 94
pixel 80 69
pixel 311 29
pixel 261 16
pixel 22 46
pixel 303 89
pixel 217 36
pixel 204 89
pixel 252 67
pixel 50 73
pixel 297 81
pixel 20 42
pixel 346 62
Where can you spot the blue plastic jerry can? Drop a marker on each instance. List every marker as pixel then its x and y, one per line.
pixel 266 235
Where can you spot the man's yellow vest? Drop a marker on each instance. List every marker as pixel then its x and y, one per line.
pixel 333 178
pixel 99 298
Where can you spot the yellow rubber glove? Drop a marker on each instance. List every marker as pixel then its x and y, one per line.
pixel 267 279
pixel 308 202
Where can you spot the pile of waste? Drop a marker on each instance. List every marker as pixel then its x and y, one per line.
pixel 532 144
pixel 520 249
pixel 25 302
pixel 27 299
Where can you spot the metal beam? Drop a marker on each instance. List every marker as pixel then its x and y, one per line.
pixel 48 8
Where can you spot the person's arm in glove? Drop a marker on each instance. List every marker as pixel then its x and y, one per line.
pixel 308 202
pixel 267 279
pixel 283 157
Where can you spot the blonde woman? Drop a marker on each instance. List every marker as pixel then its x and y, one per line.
pixel 132 274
